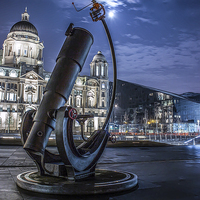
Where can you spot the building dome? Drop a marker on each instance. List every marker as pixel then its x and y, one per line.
pixel 99 57
pixel 23 45
pixel 24 26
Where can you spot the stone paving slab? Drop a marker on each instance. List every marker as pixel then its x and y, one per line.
pixel 164 173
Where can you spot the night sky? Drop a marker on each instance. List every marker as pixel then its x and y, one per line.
pixel 157 42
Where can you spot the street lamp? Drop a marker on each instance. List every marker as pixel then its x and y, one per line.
pixel 114 117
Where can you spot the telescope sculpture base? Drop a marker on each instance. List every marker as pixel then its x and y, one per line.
pixel 105 181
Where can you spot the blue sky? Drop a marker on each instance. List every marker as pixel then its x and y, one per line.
pixel 157 42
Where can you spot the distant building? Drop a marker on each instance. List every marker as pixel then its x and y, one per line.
pixel 23 80
pixel 143 109
pixel 192 96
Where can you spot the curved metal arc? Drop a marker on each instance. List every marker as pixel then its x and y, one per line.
pixel 67 149
pixel 114 73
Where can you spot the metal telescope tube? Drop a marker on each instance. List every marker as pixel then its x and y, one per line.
pixel 68 64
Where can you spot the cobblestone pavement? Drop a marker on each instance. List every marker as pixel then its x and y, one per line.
pixel 164 173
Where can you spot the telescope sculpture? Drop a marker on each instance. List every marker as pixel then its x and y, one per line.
pixel 73 169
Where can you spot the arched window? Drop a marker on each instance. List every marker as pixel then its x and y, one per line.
pixel 78 101
pixel 13 73
pixel 29 98
pixel 11 96
pixel 90 102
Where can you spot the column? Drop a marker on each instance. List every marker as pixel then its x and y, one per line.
pixel 38 93
pixel 5 93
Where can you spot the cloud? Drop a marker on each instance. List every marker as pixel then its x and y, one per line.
pixel 160 67
pixel 6 28
pixel 113 3
pixel 134 37
pixel 57 30
pixel 133 1
pixel 146 20
pixel 83 3
pixel 86 20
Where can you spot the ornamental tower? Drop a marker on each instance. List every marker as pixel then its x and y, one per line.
pixel 99 66
pixel 99 70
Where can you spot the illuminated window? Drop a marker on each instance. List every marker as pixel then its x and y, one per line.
pixel 78 81
pixel 25 52
pixel 29 98
pixel 10 121
pixel 1 95
pixel 47 77
pixel 12 96
pixel 79 92
pixel 2 72
pixel 78 101
pixel 76 124
pixel 89 102
pixel 8 108
pixel 103 85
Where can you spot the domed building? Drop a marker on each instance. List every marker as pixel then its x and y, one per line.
pixel 22 48
pixel 23 80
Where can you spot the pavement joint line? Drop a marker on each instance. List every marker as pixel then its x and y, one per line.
pixel 15 150
pixel 110 163
pixel 152 161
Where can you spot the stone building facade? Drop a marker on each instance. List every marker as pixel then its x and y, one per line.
pixel 23 80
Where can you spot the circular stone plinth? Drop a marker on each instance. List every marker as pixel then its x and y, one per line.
pixel 105 181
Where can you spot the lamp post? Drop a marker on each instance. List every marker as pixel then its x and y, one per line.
pixel 114 113
pixel 17 119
